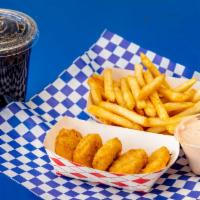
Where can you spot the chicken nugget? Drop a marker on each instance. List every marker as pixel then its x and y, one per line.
pixel 130 162
pixel 106 154
pixel 157 161
pixel 86 149
pixel 66 142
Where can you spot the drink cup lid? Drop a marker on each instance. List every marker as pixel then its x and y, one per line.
pixel 18 32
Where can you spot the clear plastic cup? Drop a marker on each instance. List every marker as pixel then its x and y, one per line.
pixel 18 33
pixel 189 138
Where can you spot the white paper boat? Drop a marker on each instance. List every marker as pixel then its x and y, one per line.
pixel 129 138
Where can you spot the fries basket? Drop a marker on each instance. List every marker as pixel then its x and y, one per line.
pixel 129 138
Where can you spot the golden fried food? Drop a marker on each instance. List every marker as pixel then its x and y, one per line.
pixel 95 91
pixel 86 149
pixel 127 95
pixel 174 96
pixel 151 87
pixel 108 85
pixel 158 160
pixel 107 154
pixel 142 99
pixel 177 106
pixel 139 74
pixel 157 129
pixel 121 111
pixel 113 118
pixel 66 142
pixel 152 68
pixel 118 95
pixel 196 96
pixel 186 85
pixel 155 99
pixel 130 162
pixel 149 110
pixel 135 89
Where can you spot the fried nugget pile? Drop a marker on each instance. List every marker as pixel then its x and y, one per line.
pixel 142 101
pixel 89 151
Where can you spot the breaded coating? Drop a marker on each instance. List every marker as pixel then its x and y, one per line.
pixel 157 161
pixel 86 149
pixel 66 142
pixel 130 162
pixel 107 154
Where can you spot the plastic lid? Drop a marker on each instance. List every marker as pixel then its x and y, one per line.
pixel 18 32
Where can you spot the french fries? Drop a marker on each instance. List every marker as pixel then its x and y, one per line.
pixel 151 67
pixel 118 95
pixel 149 109
pixel 196 96
pixel 180 106
pixel 150 87
pixel 130 115
pixel 157 129
pixel 139 74
pixel 95 91
pixel 190 111
pixel 127 95
pixel 185 86
pixel 155 99
pixel 135 89
pixel 176 96
pixel 108 85
pixel 109 116
pixel 142 100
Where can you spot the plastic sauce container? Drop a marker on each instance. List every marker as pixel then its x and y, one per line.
pixel 188 134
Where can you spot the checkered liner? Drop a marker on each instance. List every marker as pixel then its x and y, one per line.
pixel 23 127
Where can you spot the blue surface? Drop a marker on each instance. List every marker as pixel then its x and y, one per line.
pixel 68 28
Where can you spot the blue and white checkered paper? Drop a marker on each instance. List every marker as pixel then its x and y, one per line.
pixel 24 125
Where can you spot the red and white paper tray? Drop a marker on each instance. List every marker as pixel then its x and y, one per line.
pixel 130 139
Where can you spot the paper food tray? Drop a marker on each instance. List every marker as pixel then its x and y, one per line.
pixel 119 73
pixel 129 138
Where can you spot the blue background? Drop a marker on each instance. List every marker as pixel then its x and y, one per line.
pixel 67 29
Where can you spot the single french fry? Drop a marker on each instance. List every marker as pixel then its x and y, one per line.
pixel 98 76
pixel 155 99
pixel 177 106
pixel 94 91
pixel 127 95
pixel 109 116
pixel 130 115
pixel 108 85
pixel 196 96
pixel 148 89
pixel 118 95
pixel 155 121
pixel 135 89
pixel 149 109
pixel 139 74
pixel 104 121
pixel 195 109
pixel 99 80
pixel 100 84
pixel 186 85
pixel 157 129
pixel 171 128
pixel 152 68
pixel 139 111
pixel 177 96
